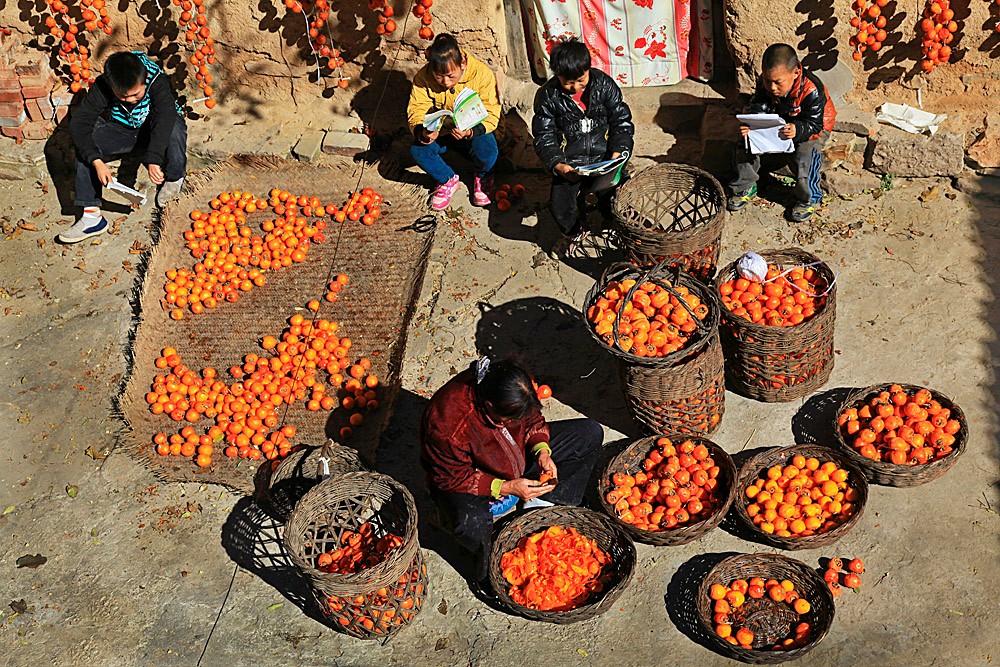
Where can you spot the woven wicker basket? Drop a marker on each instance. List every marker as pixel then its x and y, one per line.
pixel 302 470
pixel 688 397
pixel 630 461
pixel 782 456
pixel 672 212
pixel 666 277
pixel 891 474
pixel 610 539
pixel 374 615
pixel 770 621
pixel 344 503
pixel 778 364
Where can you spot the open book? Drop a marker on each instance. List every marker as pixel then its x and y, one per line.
pixel 608 172
pixel 765 133
pixel 469 111
pixel 133 196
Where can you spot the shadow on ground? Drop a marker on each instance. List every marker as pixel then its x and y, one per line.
pixel 551 340
pixel 814 421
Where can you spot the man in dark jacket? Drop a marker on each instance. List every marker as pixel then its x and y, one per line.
pixel 787 89
pixel 130 109
pixel 580 118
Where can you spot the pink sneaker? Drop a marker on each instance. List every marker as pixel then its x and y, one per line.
pixel 482 192
pixel 442 195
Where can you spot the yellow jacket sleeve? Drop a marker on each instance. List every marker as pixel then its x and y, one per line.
pixel 484 82
pixel 421 101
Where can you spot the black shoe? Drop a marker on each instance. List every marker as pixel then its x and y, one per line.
pixel 741 199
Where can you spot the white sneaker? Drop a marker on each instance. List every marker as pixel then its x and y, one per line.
pixel 83 229
pixel 168 192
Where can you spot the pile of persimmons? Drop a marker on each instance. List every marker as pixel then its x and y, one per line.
pixel 377 611
pixel 654 322
pixel 676 486
pixel 734 603
pixel 358 550
pixel 233 259
pixel 806 497
pixel 245 410
pixel 556 569
pixel 782 300
pixel 899 427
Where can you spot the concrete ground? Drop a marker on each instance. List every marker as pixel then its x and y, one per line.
pixel 142 573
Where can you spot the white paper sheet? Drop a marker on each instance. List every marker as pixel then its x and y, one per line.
pixel 765 133
pixel 910 119
pixel 133 196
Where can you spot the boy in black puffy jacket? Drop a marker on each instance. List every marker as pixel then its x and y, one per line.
pixel 580 118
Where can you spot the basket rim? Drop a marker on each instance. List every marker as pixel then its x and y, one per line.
pixel 599 603
pixel 936 467
pixel 621 271
pixel 688 532
pixel 752 468
pixel 635 182
pixel 391 567
pixel 767 655
pixel 729 271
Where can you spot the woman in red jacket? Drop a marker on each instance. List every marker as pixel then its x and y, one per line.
pixel 483 438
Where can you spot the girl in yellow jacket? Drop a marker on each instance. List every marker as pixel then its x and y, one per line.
pixel 450 70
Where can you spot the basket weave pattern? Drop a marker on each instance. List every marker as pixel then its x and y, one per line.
pixel 770 621
pixel 778 364
pixel 782 456
pixel 610 539
pixel 375 616
pixel 672 212
pixel 887 473
pixel 687 398
pixel 630 461
pixel 343 503
pixel 301 470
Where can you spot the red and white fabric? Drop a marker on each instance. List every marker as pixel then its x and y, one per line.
pixel 637 42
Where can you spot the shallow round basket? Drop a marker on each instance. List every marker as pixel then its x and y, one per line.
pixel 770 621
pixel 891 474
pixel 369 616
pixel 779 364
pixel 302 470
pixel 610 539
pixel 666 277
pixel 782 456
pixel 687 397
pixel 343 503
pixel 630 461
pixel 673 213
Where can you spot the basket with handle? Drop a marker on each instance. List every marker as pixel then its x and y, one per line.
pixel 303 469
pixel 674 213
pixel 683 391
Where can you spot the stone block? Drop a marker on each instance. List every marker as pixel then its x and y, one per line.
pixel 38 129
pixel 339 142
pixel 35 92
pixel 916 155
pixel 39 109
pixel 846 183
pixel 985 152
pixel 308 146
pixel 861 123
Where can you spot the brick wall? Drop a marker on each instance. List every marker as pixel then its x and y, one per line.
pixel 32 101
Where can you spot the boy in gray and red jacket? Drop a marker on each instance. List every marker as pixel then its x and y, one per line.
pixel 787 89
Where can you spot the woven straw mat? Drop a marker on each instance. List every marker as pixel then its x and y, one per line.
pixel 385 265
